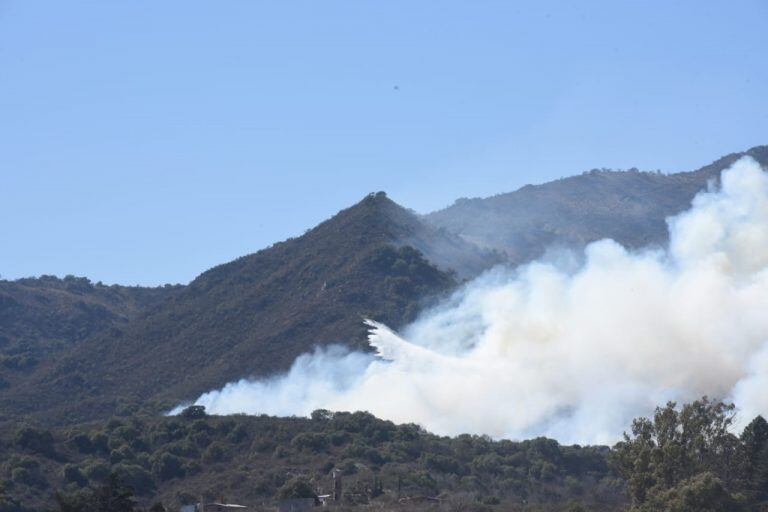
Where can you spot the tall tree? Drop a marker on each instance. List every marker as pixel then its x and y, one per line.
pixel 754 441
pixel 677 445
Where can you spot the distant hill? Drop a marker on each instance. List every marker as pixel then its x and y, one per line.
pixel 629 207
pixel 255 315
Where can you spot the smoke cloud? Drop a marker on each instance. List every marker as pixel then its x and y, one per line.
pixel 572 347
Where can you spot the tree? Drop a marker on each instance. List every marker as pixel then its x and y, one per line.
pixel 194 412
pixel 321 415
pixel 677 445
pixel 754 442
pixel 702 493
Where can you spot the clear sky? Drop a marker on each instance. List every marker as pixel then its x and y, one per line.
pixel 142 142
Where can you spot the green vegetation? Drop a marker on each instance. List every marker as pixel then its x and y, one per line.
pixel 113 496
pixel 260 459
pixel 683 459
pixel 85 369
pixel 126 350
pixel 689 459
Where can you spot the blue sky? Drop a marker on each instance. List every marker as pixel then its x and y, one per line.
pixel 142 142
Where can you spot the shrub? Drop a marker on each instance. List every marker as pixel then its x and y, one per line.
pixel 100 442
pixel 123 453
pixel 27 471
pixel 488 463
pixel 225 427
pixel 310 441
pixel 200 425
pixel 237 435
pixel 72 473
pixel 192 467
pixel 339 437
pixel 214 453
pixel 143 460
pixel 183 448
pixel 348 467
pixel 97 470
pixel 167 466
pixel 81 443
pixel 297 487
pixel 442 463
pixel 126 432
pixel 138 478
pixel 113 496
pixel 40 441
pixel 114 423
pixel 21 476
pixel 201 439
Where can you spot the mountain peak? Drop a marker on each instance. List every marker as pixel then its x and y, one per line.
pixel 379 217
pixel 253 316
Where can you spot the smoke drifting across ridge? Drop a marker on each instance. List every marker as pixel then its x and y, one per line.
pixel 571 349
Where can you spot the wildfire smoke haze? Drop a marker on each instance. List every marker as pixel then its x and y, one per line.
pixel 571 347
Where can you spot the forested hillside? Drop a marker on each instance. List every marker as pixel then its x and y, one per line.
pixel 683 459
pixel 87 370
pixel 74 351
pixel 249 317
pixel 41 318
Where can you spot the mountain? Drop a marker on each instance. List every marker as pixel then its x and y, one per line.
pixel 255 315
pixel 73 351
pixel 629 207
pixel 41 317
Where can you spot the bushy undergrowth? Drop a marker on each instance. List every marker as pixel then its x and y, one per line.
pixel 250 459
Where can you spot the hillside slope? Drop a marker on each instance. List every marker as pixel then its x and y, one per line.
pixel 74 351
pixel 629 207
pixel 252 316
pixel 249 459
pixel 41 317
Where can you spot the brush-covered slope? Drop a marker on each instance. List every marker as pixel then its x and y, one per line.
pixel 251 317
pixel 252 460
pixel 40 317
pixel 630 207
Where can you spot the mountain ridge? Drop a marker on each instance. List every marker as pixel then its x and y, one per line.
pixel 630 207
pixel 250 317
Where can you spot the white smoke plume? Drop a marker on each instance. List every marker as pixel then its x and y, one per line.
pixel 572 349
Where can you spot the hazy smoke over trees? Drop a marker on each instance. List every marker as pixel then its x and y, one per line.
pixel 571 347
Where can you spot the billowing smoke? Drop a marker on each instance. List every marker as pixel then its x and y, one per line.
pixel 571 347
